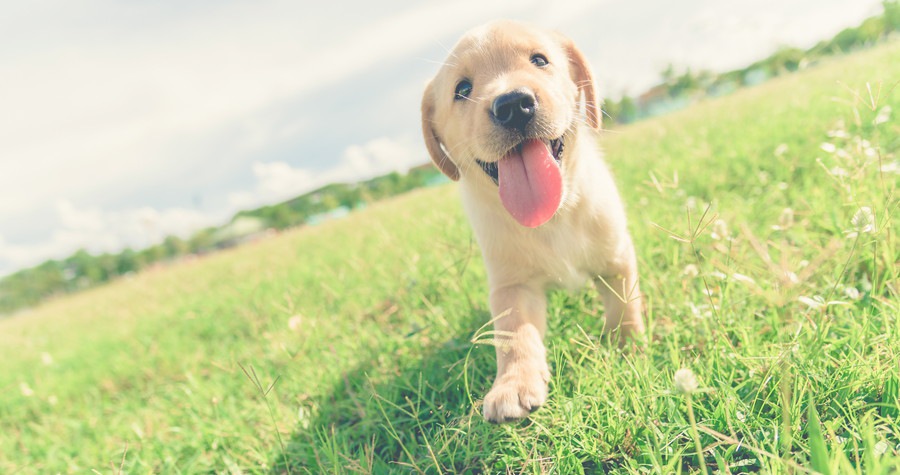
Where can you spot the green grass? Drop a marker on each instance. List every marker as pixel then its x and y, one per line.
pixel 347 347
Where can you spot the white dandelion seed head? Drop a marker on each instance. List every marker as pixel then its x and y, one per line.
pixel 685 381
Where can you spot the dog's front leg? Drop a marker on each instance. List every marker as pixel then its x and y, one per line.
pixel 522 372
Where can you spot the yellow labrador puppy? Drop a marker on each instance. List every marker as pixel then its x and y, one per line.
pixel 510 115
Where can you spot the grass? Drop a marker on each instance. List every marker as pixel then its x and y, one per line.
pixel 764 227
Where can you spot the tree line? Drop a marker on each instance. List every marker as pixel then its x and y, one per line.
pixel 679 88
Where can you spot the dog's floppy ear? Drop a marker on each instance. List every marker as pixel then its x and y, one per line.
pixel 432 142
pixel 584 78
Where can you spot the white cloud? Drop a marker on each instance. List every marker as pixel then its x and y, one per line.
pixel 278 181
pixel 99 231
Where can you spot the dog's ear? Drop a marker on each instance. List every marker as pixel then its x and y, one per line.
pixel 584 79
pixel 432 142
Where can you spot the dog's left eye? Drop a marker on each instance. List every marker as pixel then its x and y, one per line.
pixel 539 60
pixel 463 89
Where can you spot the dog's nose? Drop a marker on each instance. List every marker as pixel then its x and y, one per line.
pixel 515 109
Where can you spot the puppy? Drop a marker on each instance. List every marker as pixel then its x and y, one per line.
pixel 511 115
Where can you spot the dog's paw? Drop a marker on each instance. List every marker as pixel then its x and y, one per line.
pixel 519 392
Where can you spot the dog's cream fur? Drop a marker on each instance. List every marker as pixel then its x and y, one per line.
pixel 585 240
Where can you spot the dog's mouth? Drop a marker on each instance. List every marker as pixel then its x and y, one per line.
pixel 556 147
pixel 529 180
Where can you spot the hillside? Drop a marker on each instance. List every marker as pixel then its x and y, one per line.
pixel 346 347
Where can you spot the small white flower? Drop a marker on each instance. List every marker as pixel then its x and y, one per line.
pixel 26 389
pixel 785 220
pixel 838 172
pixel 295 322
pixel 828 147
pixel 718 275
pixel 838 133
pixel 763 177
pixel 691 203
pixel 719 229
pixel 690 270
pixel 891 167
pixel 863 220
pixel 865 284
pixel 740 416
pixel 781 149
pixel 791 277
pixel 685 381
pixel 852 293
pixel 881 446
pixel 46 359
pixel 814 303
pixel 884 115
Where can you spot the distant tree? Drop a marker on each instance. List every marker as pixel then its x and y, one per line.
pixel 891 15
pixel 628 111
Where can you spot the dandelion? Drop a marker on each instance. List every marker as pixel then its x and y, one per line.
pixel 828 147
pixel 295 322
pixel 719 230
pixel 26 389
pixel 884 115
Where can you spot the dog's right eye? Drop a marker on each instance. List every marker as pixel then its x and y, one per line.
pixel 463 89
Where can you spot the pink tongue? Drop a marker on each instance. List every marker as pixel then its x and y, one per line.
pixel 530 184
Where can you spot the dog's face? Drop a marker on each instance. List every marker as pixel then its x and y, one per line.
pixel 502 109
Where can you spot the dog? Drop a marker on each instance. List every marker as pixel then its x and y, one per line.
pixel 512 116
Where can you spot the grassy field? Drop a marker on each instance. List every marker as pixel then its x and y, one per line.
pixel 347 347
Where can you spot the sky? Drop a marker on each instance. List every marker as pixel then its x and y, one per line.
pixel 123 122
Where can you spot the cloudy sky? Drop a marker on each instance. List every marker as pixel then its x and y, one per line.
pixel 122 122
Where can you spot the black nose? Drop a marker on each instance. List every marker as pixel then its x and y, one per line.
pixel 515 109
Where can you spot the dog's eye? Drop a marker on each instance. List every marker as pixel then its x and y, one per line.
pixel 463 89
pixel 539 60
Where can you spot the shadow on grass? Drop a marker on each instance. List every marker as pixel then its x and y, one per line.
pixel 411 407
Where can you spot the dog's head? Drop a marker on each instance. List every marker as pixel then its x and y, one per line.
pixel 502 109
